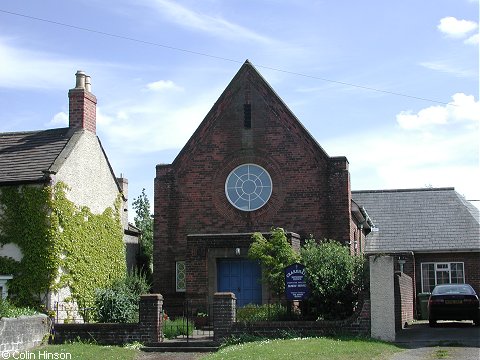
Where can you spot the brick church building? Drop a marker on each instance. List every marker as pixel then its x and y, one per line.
pixel 250 166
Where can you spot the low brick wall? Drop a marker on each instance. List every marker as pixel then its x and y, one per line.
pixel 105 334
pixel 23 333
pixel 225 325
pixel 147 330
pixel 358 325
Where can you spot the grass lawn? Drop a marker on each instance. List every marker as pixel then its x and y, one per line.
pixel 308 348
pixel 83 351
pixel 301 348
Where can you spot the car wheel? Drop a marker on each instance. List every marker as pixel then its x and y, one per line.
pixel 432 323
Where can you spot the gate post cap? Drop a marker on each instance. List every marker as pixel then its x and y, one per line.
pixel 228 295
pixel 151 297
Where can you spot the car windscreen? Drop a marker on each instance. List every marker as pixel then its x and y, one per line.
pixel 453 289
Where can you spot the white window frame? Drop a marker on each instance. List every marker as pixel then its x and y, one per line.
pixel 441 266
pixel 4 285
pixel 178 273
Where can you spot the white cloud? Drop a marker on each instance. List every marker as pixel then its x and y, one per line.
pixel 429 116
pixel 447 68
pixel 451 26
pixel 163 85
pixel 152 123
pixel 214 25
pixel 20 68
pixel 59 120
pixel 463 108
pixel 466 109
pixel 421 151
pixel 472 40
pixel 396 159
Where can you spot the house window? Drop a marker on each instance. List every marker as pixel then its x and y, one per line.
pixel 441 273
pixel 180 276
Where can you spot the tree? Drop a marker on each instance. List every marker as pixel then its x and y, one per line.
pixel 274 253
pixel 334 277
pixel 144 221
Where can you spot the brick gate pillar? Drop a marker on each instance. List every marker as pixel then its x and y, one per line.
pixel 150 318
pixel 224 314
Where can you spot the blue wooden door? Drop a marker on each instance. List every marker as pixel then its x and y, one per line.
pixel 242 277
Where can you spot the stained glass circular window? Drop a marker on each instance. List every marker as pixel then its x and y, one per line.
pixel 248 187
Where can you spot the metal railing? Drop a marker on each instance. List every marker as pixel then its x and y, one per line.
pixel 70 312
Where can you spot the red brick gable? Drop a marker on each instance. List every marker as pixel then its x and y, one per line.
pixel 248 86
pixel 311 191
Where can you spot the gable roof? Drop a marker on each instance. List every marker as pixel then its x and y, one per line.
pixel 25 156
pixel 29 156
pixel 420 220
pixel 248 76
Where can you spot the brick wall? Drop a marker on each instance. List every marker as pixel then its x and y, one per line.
pixel 311 191
pixel 404 300
pixel 24 333
pixel 147 330
pixel 224 312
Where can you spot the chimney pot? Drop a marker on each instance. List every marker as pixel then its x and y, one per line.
pixel 80 80
pixel 88 83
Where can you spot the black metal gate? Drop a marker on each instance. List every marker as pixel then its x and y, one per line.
pixel 188 321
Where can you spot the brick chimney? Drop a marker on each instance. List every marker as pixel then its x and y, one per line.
pixel 82 112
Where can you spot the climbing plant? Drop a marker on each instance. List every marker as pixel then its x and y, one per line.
pixel 24 222
pixel 62 244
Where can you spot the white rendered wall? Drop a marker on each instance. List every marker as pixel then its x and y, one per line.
pixel 91 184
pixel 382 298
pixel 88 175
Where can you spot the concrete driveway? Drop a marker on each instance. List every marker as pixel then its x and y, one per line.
pixel 450 340
pixel 446 333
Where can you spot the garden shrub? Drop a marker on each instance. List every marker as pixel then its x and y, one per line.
pixel 9 310
pixel 334 276
pixel 119 303
pixel 265 312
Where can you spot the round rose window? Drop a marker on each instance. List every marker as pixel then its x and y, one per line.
pixel 248 187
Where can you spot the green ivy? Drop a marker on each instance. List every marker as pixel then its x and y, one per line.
pixel 24 222
pixel 8 266
pixel 54 234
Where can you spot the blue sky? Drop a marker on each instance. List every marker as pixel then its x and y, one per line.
pixel 153 93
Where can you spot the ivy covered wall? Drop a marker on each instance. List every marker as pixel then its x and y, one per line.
pixel 63 245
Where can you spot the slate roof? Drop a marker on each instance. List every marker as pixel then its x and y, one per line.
pixel 25 155
pixel 420 220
